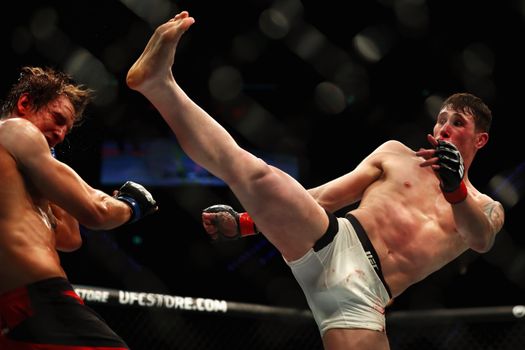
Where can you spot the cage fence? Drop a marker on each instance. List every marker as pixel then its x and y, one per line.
pixel 149 321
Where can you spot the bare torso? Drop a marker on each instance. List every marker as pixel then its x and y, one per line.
pixel 27 241
pixel 408 221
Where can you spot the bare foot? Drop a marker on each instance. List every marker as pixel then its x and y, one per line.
pixel 154 64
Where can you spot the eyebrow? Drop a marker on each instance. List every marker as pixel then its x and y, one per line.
pixel 464 116
pixel 453 114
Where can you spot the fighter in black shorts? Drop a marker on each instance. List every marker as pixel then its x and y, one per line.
pixel 42 203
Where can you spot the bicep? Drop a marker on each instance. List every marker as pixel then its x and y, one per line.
pixel 52 179
pixel 60 184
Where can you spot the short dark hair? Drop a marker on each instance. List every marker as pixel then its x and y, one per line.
pixel 44 85
pixel 468 103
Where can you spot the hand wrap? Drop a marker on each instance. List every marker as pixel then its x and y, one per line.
pixel 244 225
pixel 138 198
pixel 451 172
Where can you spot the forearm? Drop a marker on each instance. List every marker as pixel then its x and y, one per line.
pixel 103 212
pixel 330 201
pixel 348 189
pixel 63 187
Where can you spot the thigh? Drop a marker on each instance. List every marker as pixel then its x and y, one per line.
pixel 345 339
pixel 65 326
pixel 283 210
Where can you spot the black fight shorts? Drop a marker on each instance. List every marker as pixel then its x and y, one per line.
pixel 49 315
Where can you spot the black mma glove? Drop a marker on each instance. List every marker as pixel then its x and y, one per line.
pixel 138 198
pixel 229 224
pixel 451 172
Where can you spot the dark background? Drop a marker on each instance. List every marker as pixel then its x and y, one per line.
pixel 428 51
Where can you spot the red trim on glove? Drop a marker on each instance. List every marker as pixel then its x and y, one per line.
pixel 458 195
pixel 246 225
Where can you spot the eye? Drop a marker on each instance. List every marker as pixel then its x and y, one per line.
pixel 60 119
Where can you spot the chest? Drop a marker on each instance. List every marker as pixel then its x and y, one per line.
pixel 417 190
pixel 406 174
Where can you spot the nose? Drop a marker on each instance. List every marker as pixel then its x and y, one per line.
pixel 61 133
pixel 444 131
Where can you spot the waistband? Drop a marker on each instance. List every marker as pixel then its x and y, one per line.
pixel 328 236
pixel 370 252
pixel 50 286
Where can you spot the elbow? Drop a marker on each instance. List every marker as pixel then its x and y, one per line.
pixel 68 239
pixel 321 199
pixel 71 245
pixel 482 245
pixel 480 248
pixel 329 204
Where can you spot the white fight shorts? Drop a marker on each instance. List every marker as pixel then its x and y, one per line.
pixel 342 280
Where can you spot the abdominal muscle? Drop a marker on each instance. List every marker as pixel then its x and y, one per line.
pixel 27 241
pixel 412 240
pixel 27 252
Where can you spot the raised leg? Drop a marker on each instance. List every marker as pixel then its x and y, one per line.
pixel 289 217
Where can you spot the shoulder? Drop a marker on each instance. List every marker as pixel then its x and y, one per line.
pixel 486 201
pixel 17 134
pixel 396 145
pixel 480 197
pixel 393 147
pixel 19 127
pixel 385 152
pixel 492 208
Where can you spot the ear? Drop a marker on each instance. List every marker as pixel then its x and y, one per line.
pixel 481 139
pixel 23 105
